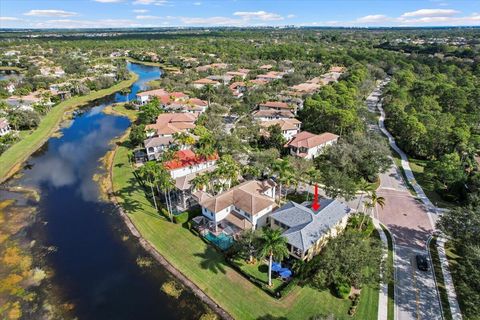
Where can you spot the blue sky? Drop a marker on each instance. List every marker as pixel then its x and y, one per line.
pixel 171 13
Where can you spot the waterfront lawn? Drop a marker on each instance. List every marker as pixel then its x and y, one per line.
pixel 206 267
pixel 258 271
pixel 20 151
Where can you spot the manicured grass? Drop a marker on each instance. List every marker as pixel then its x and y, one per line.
pixel 206 267
pixel 454 262
pixel 440 281
pixel 20 151
pixel 259 271
pixel 391 276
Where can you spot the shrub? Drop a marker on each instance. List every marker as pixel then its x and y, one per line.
pixel 181 218
pixel 342 290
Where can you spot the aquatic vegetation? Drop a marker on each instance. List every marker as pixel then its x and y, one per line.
pixel 144 262
pixel 172 289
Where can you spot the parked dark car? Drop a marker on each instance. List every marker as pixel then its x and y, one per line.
pixel 422 262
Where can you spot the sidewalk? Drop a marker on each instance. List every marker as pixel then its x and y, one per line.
pixel 448 281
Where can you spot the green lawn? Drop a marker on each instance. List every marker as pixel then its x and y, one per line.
pixel 259 271
pixel 209 270
pixel 16 69
pixel 440 281
pixel 21 150
pixel 391 283
pixel 119 109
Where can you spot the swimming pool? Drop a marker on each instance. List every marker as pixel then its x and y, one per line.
pixel 222 241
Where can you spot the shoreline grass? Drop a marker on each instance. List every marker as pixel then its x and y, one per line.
pixel 14 156
pixel 437 269
pixel 16 69
pixel 208 269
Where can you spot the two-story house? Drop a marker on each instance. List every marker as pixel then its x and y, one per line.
pixel 308 145
pixel 245 206
pixel 289 127
pixel 307 230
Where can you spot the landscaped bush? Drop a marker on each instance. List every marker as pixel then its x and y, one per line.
pixel 342 290
pixel 181 218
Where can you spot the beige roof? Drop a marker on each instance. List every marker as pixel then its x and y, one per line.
pixel 306 87
pixel 275 104
pixel 273 113
pixel 183 183
pixel 247 196
pixel 285 124
pixel 309 140
pixel 156 92
pixel 169 123
pixel 205 81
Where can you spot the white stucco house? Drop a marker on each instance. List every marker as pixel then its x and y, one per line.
pixel 308 145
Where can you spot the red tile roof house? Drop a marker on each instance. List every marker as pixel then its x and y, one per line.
pixel 160 134
pixel 308 145
pixel 200 83
pixel 144 97
pixel 266 115
pixel 270 76
pixel 289 127
pixel 277 105
pixel 245 206
pixel 238 88
pixel 184 167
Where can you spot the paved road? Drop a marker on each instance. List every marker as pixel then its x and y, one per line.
pixel 411 223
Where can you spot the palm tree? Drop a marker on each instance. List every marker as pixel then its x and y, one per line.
pixel 200 182
pixel 183 139
pixel 272 245
pixel 282 168
pixel 165 183
pixel 147 172
pixel 208 91
pixel 374 201
pixel 227 170
pixel 313 177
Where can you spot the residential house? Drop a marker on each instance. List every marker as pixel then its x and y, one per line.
pixel 307 230
pixel 4 127
pixel 184 167
pixel 211 66
pixel 267 115
pixel 146 96
pixel 225 79
pixel 266 67
pixel 24 102
pixel 308 145
pixel 270 76
pixel 289 127
pixel 245 206
pixel 160 134
pixel 277 105
pixel 241 73
pixel 200 83
pixel 238 88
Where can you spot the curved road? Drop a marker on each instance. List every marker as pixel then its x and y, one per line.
pixel 412 222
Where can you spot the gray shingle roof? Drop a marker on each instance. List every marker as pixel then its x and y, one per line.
pixel 305 226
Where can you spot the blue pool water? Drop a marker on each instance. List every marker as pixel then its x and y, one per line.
pixel 222 240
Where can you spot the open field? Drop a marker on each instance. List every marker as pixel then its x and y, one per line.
pixel 208 269
pixel 11 159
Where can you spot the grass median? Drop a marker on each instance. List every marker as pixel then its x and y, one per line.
pixel 437 268
pixel 11 159
pixel 208 269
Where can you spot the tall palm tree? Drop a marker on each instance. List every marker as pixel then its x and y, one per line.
pixel 165 183
pixel 208 91
pixel 227 170
pixel 183 139
pixel 272 245
pixel 313 177
pixel 282 168
pixel 147 172
pixel 200 182
pixel 372 204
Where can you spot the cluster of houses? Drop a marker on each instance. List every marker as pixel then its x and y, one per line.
pixel 251 204
pixel 4 127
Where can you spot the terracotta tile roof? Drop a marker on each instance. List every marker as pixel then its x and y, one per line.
pixel 169 123
pixel 186 158
pixel 273 113
pixel 156 92
pixel 247 196
pixel 259 81
pixel 285 124
pixel 337 69
pixel 275 104
pixel 3 123
pixel 309 140
pixel 205 81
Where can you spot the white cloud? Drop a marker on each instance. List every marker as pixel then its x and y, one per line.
pixel 258 15
pixel 50 13
pixel 373 18
pixel 431 13
pixel 9 19
pixel 147 17
pixel 290 16
pixel 197 3
pixel 151 2
pixel 109 1
pixel 140 10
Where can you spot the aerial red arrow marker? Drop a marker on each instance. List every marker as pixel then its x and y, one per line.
pixel 315 204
